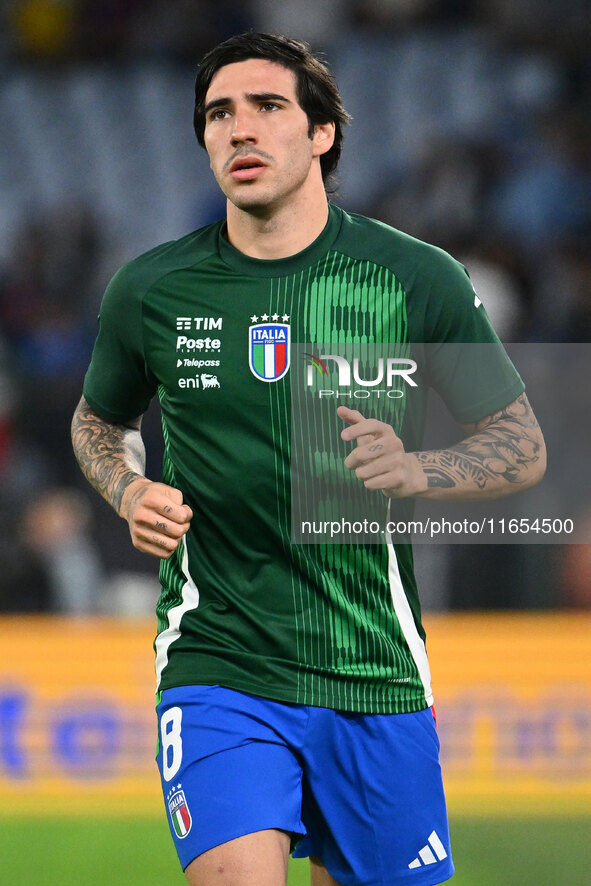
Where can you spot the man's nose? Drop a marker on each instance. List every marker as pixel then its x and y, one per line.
pixel 244 128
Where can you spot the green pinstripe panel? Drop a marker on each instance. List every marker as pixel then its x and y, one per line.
pixel 341 301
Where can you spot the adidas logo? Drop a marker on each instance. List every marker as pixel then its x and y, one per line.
pixel 433 852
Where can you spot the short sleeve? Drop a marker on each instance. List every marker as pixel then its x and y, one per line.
pixel 467 363
pixel 118 385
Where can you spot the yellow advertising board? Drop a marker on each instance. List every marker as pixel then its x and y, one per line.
pixel 513 697
pixel 513 701
pixel 77 720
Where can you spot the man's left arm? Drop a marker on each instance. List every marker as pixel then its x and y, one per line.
pixel 501 454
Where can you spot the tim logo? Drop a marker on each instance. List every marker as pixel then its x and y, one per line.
pixel 179 812
pixel 268 350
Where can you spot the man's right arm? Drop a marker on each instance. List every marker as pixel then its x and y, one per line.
pixel 112 458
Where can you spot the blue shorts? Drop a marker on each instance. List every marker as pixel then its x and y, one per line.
pixel 360 792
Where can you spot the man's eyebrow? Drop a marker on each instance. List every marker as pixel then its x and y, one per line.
pixel 216 103
pixel 250 96
pixel 266 97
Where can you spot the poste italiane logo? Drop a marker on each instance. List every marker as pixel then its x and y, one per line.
pixel 269 347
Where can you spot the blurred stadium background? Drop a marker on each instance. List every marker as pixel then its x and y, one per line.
pixel 472 130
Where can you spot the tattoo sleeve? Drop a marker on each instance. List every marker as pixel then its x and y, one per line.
pixel 110 455
pixel 503 453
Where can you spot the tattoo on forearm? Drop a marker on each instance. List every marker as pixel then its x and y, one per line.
pixel 111 456
pixel 503 447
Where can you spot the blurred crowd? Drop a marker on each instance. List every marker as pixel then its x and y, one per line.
pixel 471 130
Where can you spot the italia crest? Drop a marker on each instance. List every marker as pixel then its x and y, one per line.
pixel 179 812
pixel 268 350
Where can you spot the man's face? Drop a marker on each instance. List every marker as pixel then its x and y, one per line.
pixel 257 135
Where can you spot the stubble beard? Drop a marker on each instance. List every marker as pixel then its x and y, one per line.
pixel 265 201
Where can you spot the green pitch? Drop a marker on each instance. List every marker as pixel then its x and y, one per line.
pixel 66 852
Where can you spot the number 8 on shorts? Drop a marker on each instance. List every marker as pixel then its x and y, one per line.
pixel 172 744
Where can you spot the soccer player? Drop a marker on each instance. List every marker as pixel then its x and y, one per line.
pixel 294 701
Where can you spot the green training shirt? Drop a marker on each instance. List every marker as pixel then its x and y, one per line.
pixel 213 332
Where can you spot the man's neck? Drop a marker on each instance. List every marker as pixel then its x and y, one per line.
pixel 277 233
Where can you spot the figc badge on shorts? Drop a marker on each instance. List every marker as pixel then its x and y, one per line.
pixel 179 812
pixel 268 350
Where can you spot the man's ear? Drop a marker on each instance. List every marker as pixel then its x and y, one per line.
pixel 323 138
